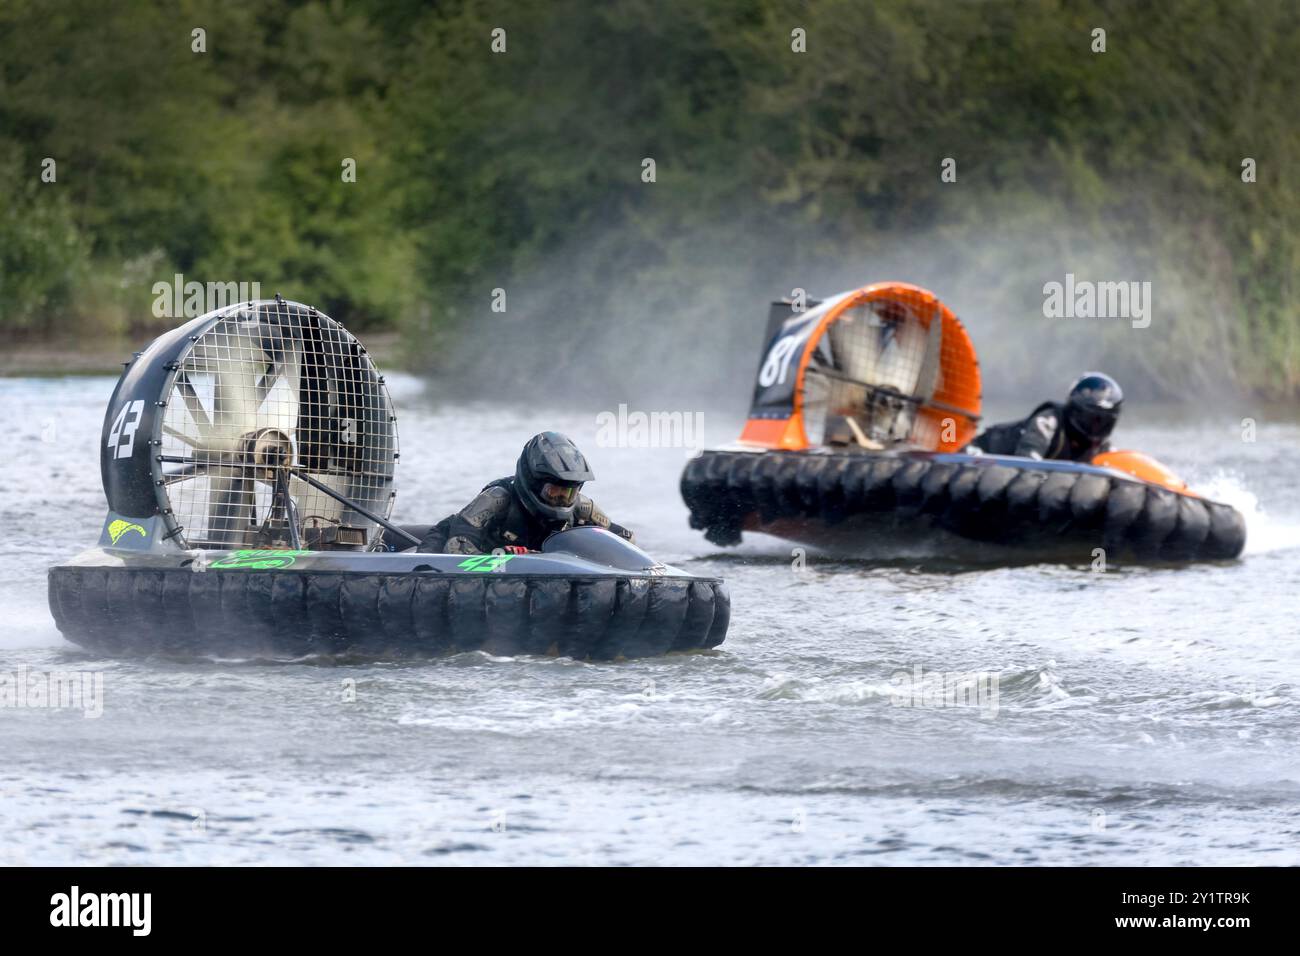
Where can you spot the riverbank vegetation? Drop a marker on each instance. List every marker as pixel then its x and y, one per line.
pixel 524 170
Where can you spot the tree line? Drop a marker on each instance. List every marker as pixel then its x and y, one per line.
pixel 503 146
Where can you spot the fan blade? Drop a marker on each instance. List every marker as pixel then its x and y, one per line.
pixel 184 473
pixel 231 506
pixel 190 440
pixel 283 413
pixel 234 398
pixel 193 404
pixel 928 379
pixel 265 382
pixel 282 345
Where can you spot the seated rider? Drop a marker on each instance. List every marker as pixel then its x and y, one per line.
pixel 517 514
pixel 1075 431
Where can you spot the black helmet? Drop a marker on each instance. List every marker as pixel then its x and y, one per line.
pixel 550 472
pixel 1093 406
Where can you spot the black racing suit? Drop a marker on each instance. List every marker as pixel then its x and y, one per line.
pixel 497 518
pixel 1044 434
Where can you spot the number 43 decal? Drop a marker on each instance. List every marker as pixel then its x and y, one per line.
pixel 121 437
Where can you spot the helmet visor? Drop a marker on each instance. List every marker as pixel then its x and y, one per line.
pixel 558 494
pixel 1094 423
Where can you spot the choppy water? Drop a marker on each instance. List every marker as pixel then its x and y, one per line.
pixel 1142 716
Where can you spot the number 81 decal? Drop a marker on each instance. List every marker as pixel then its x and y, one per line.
pixel 783 350
pixel 121 437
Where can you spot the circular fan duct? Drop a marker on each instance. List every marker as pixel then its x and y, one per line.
pixel 884 366
pixel 268 426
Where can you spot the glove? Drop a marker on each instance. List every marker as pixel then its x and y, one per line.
pixel 514 549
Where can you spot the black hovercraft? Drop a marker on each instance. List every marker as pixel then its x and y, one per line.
pixel 248 459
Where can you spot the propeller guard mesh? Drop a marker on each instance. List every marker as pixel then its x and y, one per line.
pixel 265 394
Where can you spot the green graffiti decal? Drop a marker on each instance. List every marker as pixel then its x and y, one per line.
pixel 485 562
pixel 118 528
pixel 256 560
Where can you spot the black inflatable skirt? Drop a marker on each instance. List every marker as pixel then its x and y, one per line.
pixel 882 503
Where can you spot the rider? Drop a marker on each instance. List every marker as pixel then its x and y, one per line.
pixel 517 514
pixel 1075 431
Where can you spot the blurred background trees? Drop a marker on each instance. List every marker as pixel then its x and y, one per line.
pixel 774 170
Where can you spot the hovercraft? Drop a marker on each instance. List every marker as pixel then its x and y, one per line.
pixel 886 379
pixel 248 458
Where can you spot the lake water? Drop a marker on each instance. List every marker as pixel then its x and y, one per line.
pixel 1142 715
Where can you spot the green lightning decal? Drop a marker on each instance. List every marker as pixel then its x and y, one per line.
pixel 485 562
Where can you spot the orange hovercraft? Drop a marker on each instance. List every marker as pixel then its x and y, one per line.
pixel 862 405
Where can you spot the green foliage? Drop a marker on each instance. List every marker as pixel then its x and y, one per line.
pixel 229 161
pixel 522 170
pixel 42 255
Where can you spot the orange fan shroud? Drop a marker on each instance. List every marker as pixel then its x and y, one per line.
pixel 947 423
